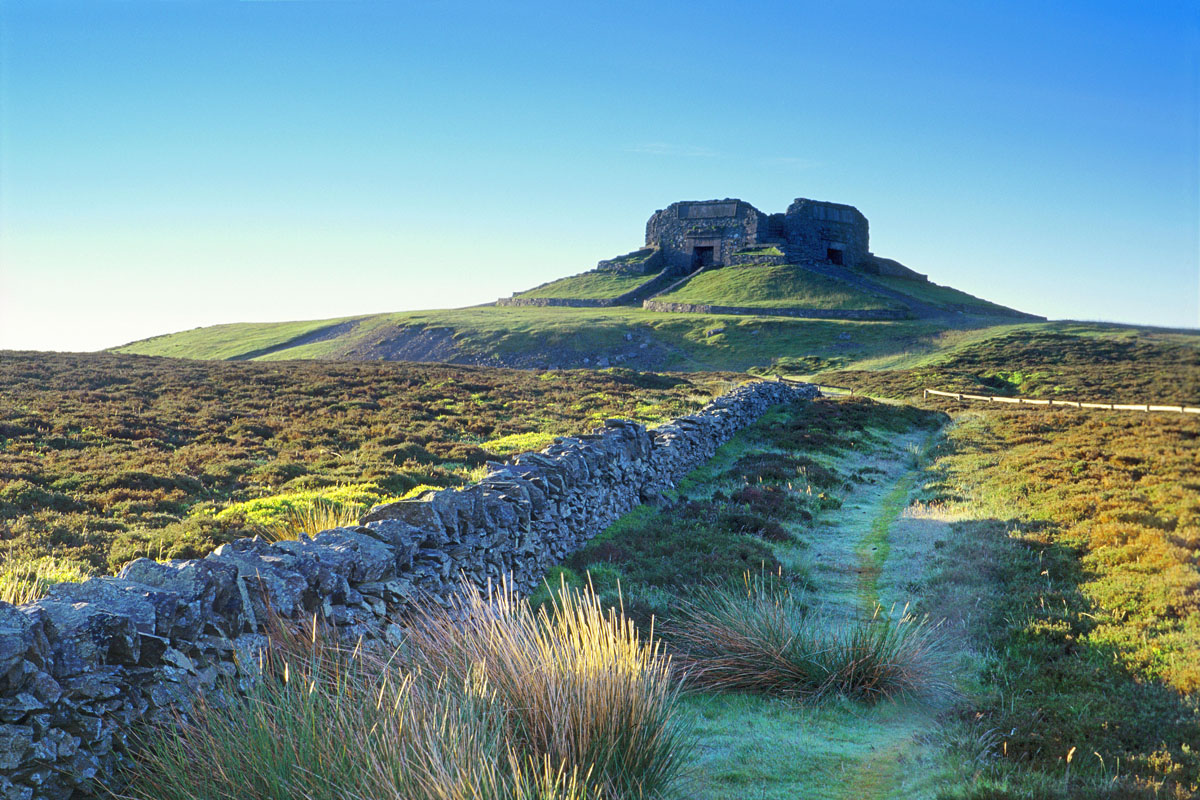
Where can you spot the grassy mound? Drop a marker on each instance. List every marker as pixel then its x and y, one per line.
pixel 561 337
pixel 231 341
pixel 594 285
pixel 783 286
pixel 945 297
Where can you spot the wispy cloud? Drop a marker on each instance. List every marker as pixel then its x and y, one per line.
pixel 667 149
pixel 791 161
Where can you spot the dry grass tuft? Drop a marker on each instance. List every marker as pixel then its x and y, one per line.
pixel 761 638
pixel 580 684
pixel 504 705
pixel 25 580
pixel 311 519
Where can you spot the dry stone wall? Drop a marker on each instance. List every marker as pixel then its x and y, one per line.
pixel 545 302
pixel 81 667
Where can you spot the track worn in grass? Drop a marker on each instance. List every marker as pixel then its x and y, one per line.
pixel 827 475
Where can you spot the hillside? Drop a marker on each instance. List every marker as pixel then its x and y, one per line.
pixel 757 304
pixel 594 285
pixel 545 338
pixel 1056 546
pixel 556 338
pixel 105 457
pixel 773 286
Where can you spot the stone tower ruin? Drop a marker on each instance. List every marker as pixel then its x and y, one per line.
pixel 715 233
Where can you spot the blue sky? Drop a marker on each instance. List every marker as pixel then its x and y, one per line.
pixel 170 164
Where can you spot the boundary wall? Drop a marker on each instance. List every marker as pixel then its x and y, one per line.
pixel 80 667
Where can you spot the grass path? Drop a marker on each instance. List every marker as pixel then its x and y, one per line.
pixel 871 550
pixel 874 547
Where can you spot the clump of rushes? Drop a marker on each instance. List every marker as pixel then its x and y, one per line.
pixel 326 723
pixel 310 519
pixel 760 637
pixel 579 684
pixel 24 580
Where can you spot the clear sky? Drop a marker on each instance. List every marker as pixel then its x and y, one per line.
pixel 177 163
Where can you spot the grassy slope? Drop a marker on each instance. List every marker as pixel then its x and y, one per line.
pixel 227 341
pixel 1079 361
pixel 1090 523
pixel 783 286
pixel 516 332
pixel 589 286
pixel 931 353
pixel 517 336
pixel 938 295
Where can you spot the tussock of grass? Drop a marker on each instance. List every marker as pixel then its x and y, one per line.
pixel 503 704
pixel 293 507
pixel 24 580
pixel 762 638
pixel 580 684
pixel 520 442
pixel 311 519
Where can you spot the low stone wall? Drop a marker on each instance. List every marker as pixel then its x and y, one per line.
pixel 79 668
pixel 553 301
pixel 808 313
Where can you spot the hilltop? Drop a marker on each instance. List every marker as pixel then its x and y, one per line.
pixel 718 285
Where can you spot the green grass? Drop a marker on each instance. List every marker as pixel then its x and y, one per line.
pixel 544 337
pixel 1078 361
pixel 24 580
pixel 782 286
pixel 766 501
pixel 518 443
pixel 768 250
pixel 596 285
pixel 541 337
pixel 273 509
pixel 234 340
pixel 1071 541
pixel 938 295
pixel 782 750
pixel 874 549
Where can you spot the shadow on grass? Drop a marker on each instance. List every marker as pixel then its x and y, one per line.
pixel 1059 714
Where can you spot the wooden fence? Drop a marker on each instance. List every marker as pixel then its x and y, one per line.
pixel 1025 401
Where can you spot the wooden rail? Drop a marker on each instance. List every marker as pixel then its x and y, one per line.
pixel 1069 403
